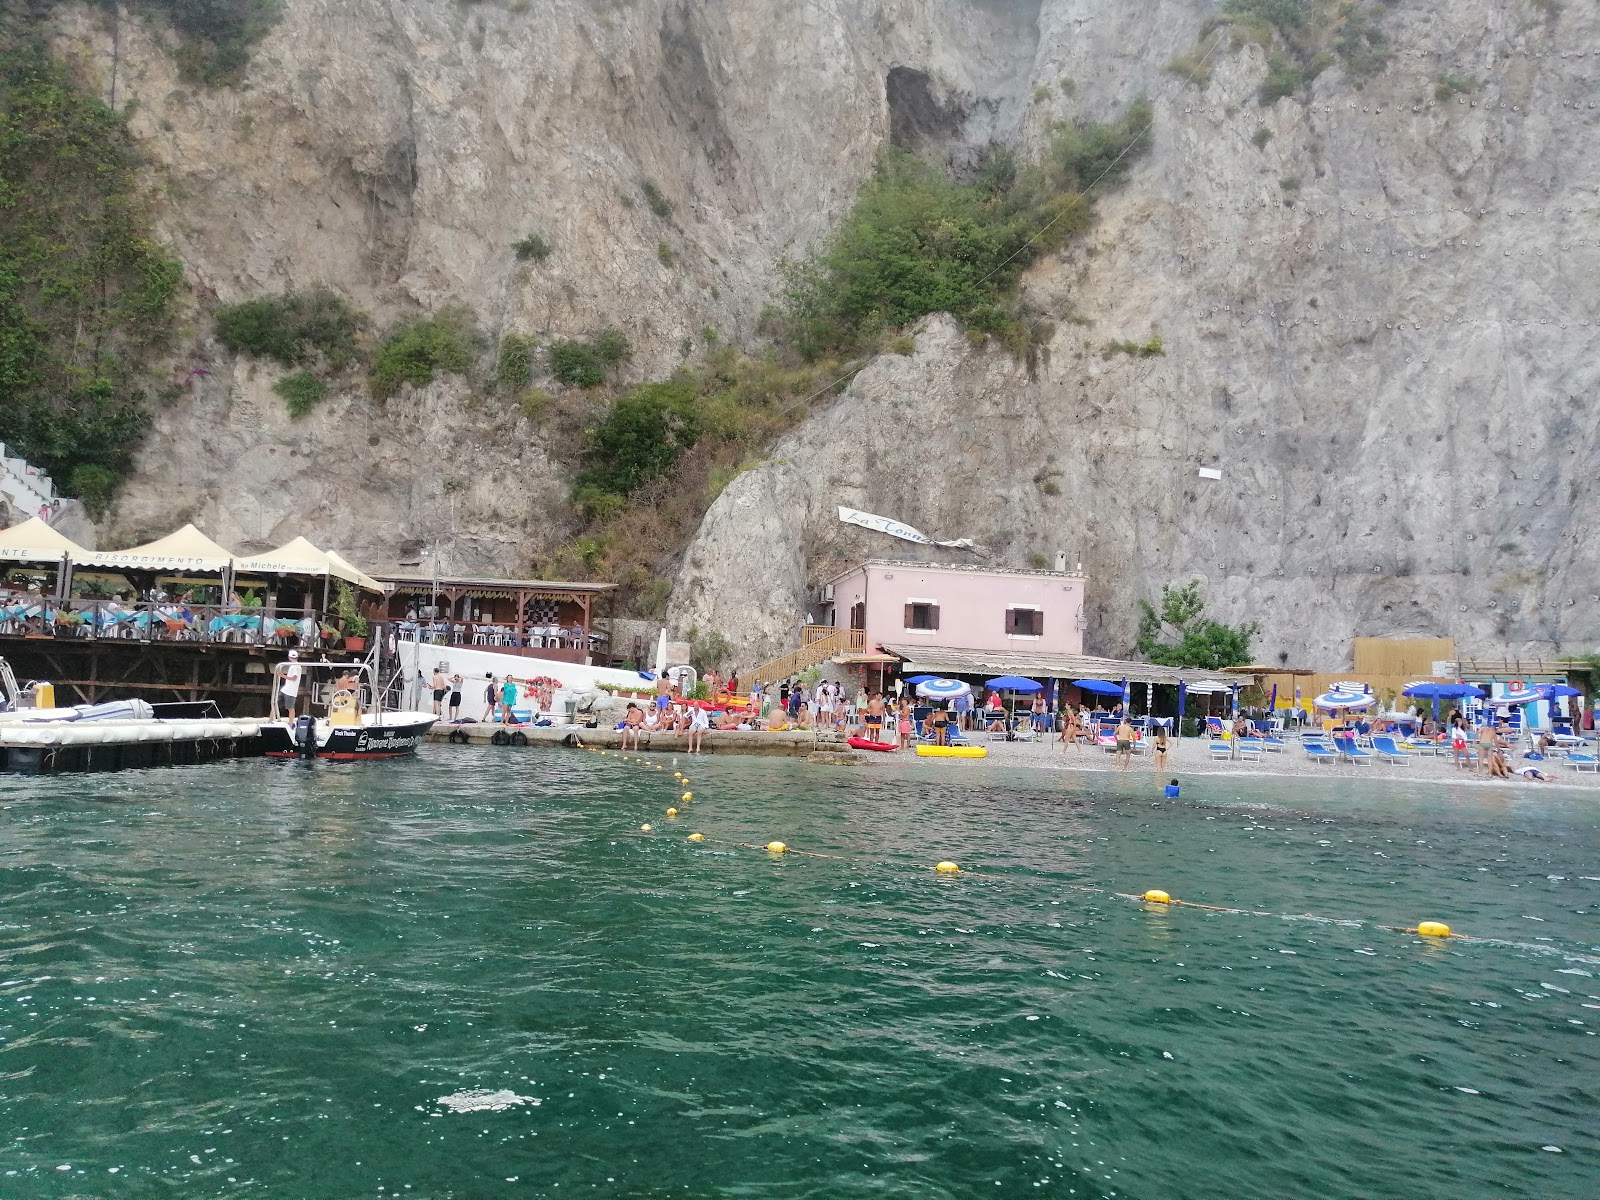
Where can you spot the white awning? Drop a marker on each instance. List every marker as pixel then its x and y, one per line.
pixel 34 541
pixel 298 557
pixel 943 660
pixel 187 549
pixel 344 569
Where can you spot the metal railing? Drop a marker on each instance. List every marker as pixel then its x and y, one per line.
pixel 162 621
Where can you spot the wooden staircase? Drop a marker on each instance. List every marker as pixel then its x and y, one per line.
pixel 818 643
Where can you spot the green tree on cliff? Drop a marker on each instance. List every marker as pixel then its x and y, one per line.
pixel 1206 645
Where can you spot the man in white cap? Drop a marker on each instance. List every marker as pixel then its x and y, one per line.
pixel 289 685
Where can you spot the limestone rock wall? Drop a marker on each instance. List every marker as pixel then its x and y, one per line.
pixel 1377 305
pixel 1380 325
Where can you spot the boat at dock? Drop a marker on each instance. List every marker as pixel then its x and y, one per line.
pixel 37 737
pixel 355 725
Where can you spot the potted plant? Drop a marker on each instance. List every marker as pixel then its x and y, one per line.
pixel 355 625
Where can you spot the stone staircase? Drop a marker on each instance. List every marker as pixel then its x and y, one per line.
pixel 29 489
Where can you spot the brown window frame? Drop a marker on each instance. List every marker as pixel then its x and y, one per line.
pixel 930 613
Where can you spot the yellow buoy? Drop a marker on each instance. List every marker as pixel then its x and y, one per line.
pixel 697 837
pixel 776 847
pixel 672 812
pixel 946 868
pixel 677 774
pixel 1156 896
pixel 1433 929
pixel 645 828
pixel 688 796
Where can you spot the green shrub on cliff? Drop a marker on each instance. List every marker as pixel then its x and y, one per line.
pixel 917 243
pixel 419 351
pixel 1302 39
pixel 295 328
pixel 585 363
pixel 86 291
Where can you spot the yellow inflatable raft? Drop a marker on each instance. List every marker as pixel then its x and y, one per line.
pixel 952 752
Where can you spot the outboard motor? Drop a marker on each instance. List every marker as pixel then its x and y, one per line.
pixel 305 736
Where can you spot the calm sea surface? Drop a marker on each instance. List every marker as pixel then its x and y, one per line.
pixel 472 976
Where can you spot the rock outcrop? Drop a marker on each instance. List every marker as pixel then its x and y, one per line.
pixel 1376 303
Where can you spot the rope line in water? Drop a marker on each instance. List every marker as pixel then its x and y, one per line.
pixel 1432 930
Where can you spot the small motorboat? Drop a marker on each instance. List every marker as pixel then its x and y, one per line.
pixel 354 726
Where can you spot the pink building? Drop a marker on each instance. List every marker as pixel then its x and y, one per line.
pixel 974 608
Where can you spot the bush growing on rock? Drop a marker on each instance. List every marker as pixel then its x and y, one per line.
pixel 303 391
pixel 295 328
pixel 916 243
pixel 419 351
pixel 87 291
pixel 581 363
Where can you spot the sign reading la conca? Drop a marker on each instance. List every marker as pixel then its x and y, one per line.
pixel 851 516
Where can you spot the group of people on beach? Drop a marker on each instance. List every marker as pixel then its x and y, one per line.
pixel 501 697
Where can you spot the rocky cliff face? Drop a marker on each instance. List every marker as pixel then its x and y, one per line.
pixel 1376 304
pixel 1378 321
pixel 396 149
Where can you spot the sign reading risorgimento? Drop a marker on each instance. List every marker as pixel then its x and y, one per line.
pixel 851 516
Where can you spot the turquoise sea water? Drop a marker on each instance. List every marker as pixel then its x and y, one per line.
pixel 287 980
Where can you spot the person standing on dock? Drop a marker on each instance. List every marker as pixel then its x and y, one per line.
pixel 455 697
pixel 441 689
pixel 491 698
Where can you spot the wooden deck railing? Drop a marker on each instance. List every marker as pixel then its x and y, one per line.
pixel 818 643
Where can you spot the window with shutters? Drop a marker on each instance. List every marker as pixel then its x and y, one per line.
pixel 1024 622
pixel 922 615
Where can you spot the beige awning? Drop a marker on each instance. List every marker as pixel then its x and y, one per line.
pixel 343 569
pixel 298 557
pixel 187 549
pixel 34 541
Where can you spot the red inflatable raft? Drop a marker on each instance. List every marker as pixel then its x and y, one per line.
pixel 864 744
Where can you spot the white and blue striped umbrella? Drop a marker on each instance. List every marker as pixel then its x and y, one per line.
pixel 1337 699
pixel 1522 695
pixel 943 689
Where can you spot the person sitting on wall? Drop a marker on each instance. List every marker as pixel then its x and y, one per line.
pixel 632 723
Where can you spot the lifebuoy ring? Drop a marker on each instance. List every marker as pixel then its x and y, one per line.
pixel 519 738
pixel 501 738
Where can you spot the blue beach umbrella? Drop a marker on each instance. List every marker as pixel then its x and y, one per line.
pixel 1556 691
pixel 943 689
pixel 1014 683
pixel 1098 686
pixel 1127 696
pixel 916 679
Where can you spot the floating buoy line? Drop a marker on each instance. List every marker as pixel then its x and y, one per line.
pixel 1152 898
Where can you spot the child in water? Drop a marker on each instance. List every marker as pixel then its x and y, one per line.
pixel 1172 790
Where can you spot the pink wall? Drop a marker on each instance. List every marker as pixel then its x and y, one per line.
pixel 972 606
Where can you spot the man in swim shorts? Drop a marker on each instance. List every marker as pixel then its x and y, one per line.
pixel 441 689
pixel 874 717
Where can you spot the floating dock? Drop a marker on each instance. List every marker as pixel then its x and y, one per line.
pixel 49 748
pixel 788 743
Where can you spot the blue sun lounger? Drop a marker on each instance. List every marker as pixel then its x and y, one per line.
pixel 1583 762
pixel 1317 752
pixel 1348 750
pixel 1388 751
